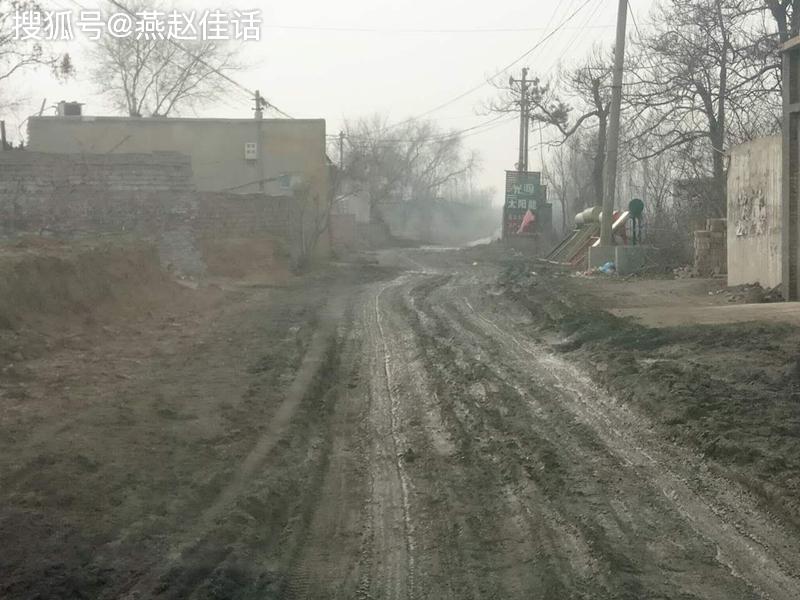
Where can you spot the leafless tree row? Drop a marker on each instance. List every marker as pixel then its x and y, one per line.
pixel 701 76
pixel 414 160
pixel 141 76
pixel 17 56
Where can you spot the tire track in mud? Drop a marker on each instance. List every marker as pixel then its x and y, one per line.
pixel 444 538
pixel 556 561
pixel 402 475
pixel 393 410
pixel 392 574
pixel 520 556
pixel 754 562
pixel 324 562
pixel 579 469
pixel 167 580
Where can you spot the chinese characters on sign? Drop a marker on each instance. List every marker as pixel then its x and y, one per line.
pixel 60 25
pixel 524 192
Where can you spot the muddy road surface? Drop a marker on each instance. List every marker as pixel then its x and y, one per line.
pixel 397 434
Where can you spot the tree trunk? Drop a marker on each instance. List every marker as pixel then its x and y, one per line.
pixel 719 188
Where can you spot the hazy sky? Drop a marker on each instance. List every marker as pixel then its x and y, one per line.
pixel 348 58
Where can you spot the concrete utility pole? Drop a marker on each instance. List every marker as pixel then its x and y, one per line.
pixel 259 116
pixel 341 150
pixel 606 234
pixel 522 163
pixel 259 106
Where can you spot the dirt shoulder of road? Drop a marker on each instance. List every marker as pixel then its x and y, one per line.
pixel 729 391
pixel 137 414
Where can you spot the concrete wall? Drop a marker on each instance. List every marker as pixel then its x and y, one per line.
pixel 754 213
pixel 285 147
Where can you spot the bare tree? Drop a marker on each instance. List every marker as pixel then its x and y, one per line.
pixel 406 162
pixel 578 100
pixel 556 174
pixel 17 55
pixel 699 79
pixel 786 16
pixel 157 77
pixel 312 216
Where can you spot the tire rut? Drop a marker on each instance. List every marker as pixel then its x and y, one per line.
pixel 575 453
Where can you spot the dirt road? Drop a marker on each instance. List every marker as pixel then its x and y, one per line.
pixel 396 434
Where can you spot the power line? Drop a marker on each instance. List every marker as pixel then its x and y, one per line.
pixel 570 44
pixel 583 27
pixel 635 22
pixel 420 31
pixel 517 60
pixel 469 131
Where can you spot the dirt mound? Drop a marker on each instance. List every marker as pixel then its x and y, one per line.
pixel 729 391
pixel 45 282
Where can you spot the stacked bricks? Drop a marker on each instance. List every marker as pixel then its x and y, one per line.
pixel 74 194
pixel 228 215
pixel 78 194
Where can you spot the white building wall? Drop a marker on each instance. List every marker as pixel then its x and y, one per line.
pixel 284 148
pixel 754 213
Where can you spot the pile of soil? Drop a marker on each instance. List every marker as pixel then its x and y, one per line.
pixel 731 392
pixel 51 288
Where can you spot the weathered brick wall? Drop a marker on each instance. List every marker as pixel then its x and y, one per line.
pixel 243 215
pixel 39 171
pixel 70 193
pixel 74 194
pixel 152 195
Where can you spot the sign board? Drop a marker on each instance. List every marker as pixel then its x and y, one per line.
pixel 524 192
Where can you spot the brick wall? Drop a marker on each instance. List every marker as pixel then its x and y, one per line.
pixel 152 195
pixel 148 193
pixel 74 194
pixel 243 215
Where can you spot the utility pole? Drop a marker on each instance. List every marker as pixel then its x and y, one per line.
pixel 522 163
pixel 341 151
pixel 259 116
pixel 260 102
pixel 606 234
